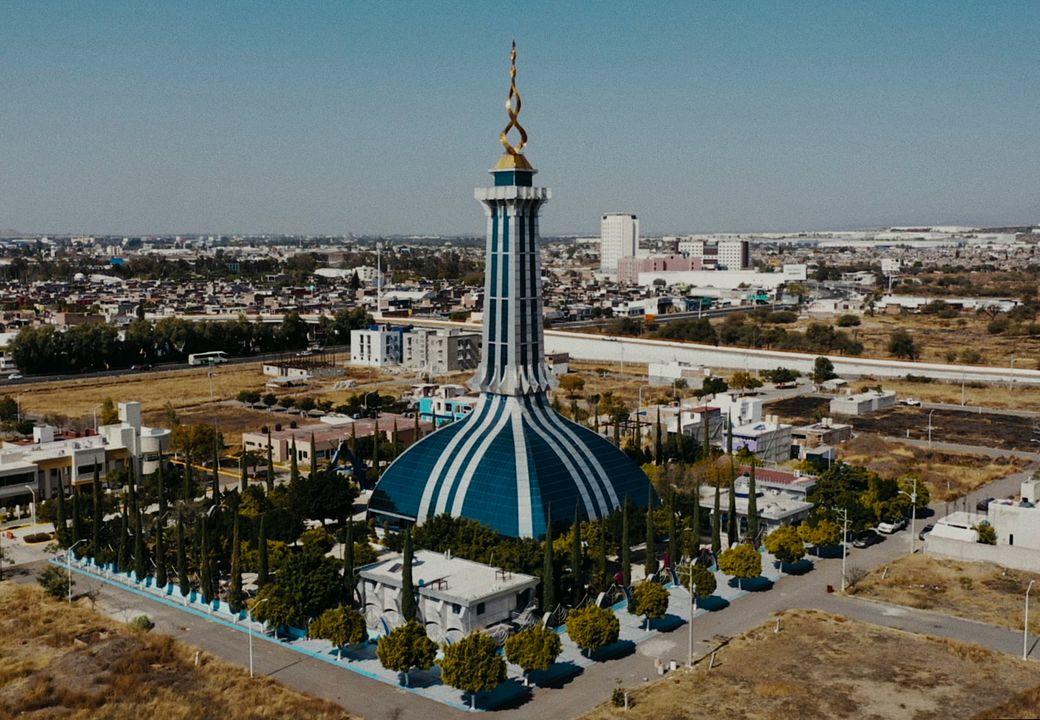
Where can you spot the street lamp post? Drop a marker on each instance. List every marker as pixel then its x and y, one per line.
pixel 68 565
pixel 255 605
pixel 30 489
pixel 693 605
pixel 1025 626
pixel 930 428
pixel 913 513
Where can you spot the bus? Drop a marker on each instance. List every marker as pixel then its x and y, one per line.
pixel 214 357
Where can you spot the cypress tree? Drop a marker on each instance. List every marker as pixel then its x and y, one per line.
pixel 61 526
pixel 706 449
pixel 160 484
pixel 577 560
pixel 77 521
pixel 617 431
pixel 418 430
pixel 216 468
pixel 729 435
pixel 407 591
pixel 235 583
pixel 243 478
pixel 695 516
pixel 732 527
pixel 658 441
pixel 95 523
pixel 187 490
pixel 262 571
pixel 182 556
pixel 650 566
pixel 140 561
pixel 122 557
pixel 752 505
pixel 393 441
pixel 348 563
pixel 205 575
pixel 673 539
pixel 602 561
pixel 375 450
pixel 716 521
pixel 548 567
pixel 314 462
pixel 270 464
pixel 161 580
pixel 294 465
pixel 626 547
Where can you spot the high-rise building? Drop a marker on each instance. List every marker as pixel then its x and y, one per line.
pixel 513 462
pixel 619 238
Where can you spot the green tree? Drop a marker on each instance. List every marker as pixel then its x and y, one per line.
pixel 243 480
pixel 182 556
pixel 704 583
pixel 901 344
pixel 742 562
pixel 649 599
pixel 673 535
pixel 986 532
pixel 650 566
pixel 408 608
pixel 349 582
pixel 109 415
pixel 341 626
pixel 823 533
pixel 122 553
pixel 406 647
pixel 752 503
pixel 263 574
pixel 786 545
pixel 732 521
pixel 713 386
pixel 572 384
pixel 548 567
pixel 743 380
pixel 823 370
pixel 716 520
pixel 274 607
pixel 236 599
pixel 592 628
pixel 626 545
pixel 473 665
pixel 535 648
pixel 95 523
pixel 577 560
pixel 161 578
pixel 55 581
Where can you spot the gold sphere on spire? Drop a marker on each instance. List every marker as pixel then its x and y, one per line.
pixel 513 157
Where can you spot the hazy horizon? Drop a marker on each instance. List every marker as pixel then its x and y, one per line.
pixel 368 120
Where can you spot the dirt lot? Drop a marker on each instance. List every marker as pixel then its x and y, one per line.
pixel 57 661
pixel 822 666
pixel 1006 432
pixel 947 475
pixel 977 591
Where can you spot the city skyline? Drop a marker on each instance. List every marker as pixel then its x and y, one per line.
pixel 363 120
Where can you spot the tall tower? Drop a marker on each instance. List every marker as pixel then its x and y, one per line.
pixel 513 460
pixel 618 238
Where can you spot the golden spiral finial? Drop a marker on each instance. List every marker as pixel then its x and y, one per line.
pixel 513 111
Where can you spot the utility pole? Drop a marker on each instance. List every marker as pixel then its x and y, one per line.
pixel 844 545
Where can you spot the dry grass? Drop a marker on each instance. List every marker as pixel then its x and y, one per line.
pixel 976 591
pixel 826 666
pixel 182 388
pixel 1018 397
pixel 65 662
pixel 947 475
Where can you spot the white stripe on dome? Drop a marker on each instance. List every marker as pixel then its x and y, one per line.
pixel 446 454
pixel 475 435
pixel 579 481
pixel 583 448
pixel 525 516
pixel 478 457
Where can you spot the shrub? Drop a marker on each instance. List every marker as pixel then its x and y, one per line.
pixel 141 623
pixel 848 320
pixel 592 628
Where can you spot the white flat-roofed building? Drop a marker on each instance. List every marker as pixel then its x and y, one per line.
pixel 440 351
pixel 734 254
pixel 863 403
pixel 377 346
pixel 454 596
pixel 770 439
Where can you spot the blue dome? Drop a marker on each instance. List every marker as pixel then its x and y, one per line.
pixel 505 465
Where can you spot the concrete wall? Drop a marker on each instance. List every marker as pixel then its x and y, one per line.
pixel 1018 558
pixel 638 350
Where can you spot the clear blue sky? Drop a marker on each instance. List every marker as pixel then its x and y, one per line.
pixel 381 117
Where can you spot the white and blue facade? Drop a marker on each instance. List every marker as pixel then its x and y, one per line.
pixel 513 459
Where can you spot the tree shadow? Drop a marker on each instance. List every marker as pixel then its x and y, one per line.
pixel 827 551
pixel 712 603
pixel 667 623
pixel 615 651
pixel 755 584
pixel 509 695
pixel 801 567
pixel 557 676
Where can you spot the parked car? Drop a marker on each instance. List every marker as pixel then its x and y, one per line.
pixel 866 539
pixel 983 505
pixel 887 527
pixel 924 531
pixel 912 402
pixel 143 367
